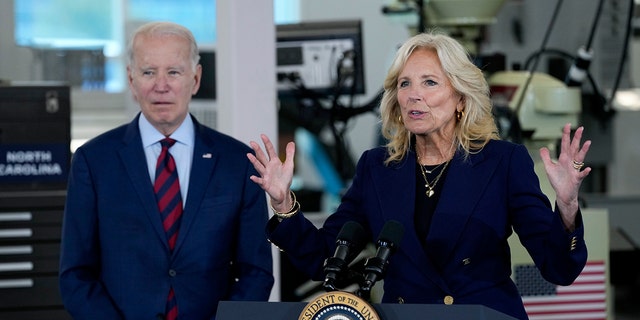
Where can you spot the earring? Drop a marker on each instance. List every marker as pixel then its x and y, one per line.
pixel 400 119
pixel 459 115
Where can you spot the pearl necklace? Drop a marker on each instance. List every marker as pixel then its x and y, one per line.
pixel 432 185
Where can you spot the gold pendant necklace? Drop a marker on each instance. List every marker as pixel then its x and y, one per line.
pixel 432 170
pixel 432 185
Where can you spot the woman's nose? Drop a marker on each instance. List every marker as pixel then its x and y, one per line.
pixel 414 97
pixel 413 94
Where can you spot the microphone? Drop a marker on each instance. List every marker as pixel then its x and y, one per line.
pixel 375 267
pixel 350 241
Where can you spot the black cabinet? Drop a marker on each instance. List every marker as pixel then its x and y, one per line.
pixel 35 136
pixel 30 229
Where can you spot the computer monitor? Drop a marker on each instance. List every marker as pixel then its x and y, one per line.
pixel 325 57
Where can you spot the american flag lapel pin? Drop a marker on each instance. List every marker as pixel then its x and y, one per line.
pixel 206 155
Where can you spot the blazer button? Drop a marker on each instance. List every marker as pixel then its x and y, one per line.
pixel 400 300
pixel 172 273
pixel 448 300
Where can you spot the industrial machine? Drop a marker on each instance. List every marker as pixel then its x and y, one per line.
pixel 543 109
pixel 531 108
pixel 459 18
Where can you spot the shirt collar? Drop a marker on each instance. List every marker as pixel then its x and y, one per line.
pixel 150 135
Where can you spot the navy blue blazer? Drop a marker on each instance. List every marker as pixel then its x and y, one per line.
pixel 484 199
pixel 115 260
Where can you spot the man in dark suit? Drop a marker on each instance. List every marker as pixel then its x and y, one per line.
pixel 121 258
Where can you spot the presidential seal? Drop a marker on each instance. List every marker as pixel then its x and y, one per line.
pixel 338 305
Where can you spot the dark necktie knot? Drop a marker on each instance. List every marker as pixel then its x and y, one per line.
pixel 167 142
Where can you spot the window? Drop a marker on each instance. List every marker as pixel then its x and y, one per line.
pixel 67 23
pixel 197 15
pixel 83 42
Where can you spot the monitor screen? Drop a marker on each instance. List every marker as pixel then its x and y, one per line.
pixel 325 57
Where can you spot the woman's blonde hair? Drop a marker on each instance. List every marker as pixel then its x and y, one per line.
pixel 476 125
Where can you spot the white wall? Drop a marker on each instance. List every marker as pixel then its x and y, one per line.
pixel 15 62
pixel 246 100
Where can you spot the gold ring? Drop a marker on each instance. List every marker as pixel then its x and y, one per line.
pixel 578 165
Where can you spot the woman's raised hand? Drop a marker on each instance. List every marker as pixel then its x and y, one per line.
pixel 275 176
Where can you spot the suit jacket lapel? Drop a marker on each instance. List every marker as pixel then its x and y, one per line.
pixel 463 188
pixel 135 162
pixel 461 192
pixel 397 191
pixel 204 160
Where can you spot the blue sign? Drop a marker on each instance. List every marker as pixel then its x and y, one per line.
pixel 34 163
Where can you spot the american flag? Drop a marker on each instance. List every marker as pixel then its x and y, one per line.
pixel 585 299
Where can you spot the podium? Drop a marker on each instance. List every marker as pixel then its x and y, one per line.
pixel 242 310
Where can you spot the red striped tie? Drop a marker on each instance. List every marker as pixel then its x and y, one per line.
pixel 167 189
